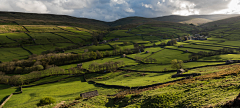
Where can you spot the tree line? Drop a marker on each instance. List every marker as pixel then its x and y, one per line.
pixel 40 62
pixel 36 75
pixel 107 67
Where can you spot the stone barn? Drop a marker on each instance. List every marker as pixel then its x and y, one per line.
pixel 229 61
pixel 79 65
pixel 89 94
pixel 123 56
pixel 180 71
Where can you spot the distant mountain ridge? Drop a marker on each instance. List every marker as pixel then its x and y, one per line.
pixel 51 19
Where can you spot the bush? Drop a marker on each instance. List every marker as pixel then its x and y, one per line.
pixel 77 98
pixel 46 101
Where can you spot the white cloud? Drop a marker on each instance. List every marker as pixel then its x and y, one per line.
pixel 32 6
pixel 129 10
pixel 110 10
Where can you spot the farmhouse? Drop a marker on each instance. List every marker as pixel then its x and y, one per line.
pixel 180 71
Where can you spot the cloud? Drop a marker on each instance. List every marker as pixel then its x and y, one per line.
pixel 111 10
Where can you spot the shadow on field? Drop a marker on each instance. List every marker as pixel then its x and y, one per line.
pixel 1 101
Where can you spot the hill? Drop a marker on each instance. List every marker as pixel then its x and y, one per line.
pixel 195 19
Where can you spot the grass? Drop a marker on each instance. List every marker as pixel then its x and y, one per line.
pixel 134 79
pixel 49 79
pixel 224 57
pixel 38 49
pixel 158 67
pixel 4 39
pixel 6 92
pixel 75 30
pixel 63 90
pixel 46 38
pixel 102 47
pixel 114 58
pixel 8 54
pixel 143 54
pixel 73 37
pixel 167 55
pixel 189 49
pixel 11 28
pixel 43 28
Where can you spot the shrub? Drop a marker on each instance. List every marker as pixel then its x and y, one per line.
pixel 18 70
pixel 46 101
pixel 39 67
pixel 77 98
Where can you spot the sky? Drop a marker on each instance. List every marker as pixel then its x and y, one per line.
pixel 111 10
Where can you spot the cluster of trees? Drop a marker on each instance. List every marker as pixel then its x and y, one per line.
pixel 196 56
pixel 35 63
pixel 147 60
pixel 176 64
pixel 36 75
pixel 108 66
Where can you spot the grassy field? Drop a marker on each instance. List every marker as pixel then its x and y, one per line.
pixel 8 54
pixel 6 92
pixel 114 58
pixel 64 90
pixel 167 55
pixel 11 28
pixel 132 79
pixel 46 38
pixel 102 47
pixel 144 54
pixel 224 57
pixel 43 28
pixel 158 67
pixel 189 49
pixel 38 49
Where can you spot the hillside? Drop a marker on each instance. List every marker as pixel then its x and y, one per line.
pixel 132 62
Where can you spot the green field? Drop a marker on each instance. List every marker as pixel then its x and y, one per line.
pixel 43 28
pixel 224 57
pixel 8 54
pixel 167 55
pixel 133 79
pixel 144 54
pixel 158 67
pixel 64 90
pixel 46 38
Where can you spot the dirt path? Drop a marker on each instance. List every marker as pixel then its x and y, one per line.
pixel 59 104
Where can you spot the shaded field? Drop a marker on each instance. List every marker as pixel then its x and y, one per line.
pixel 131 79
pixel 8 54
pixel 158 67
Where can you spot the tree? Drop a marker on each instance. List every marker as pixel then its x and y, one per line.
pixel 93 55
pixel 177 64
pixel 125 43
